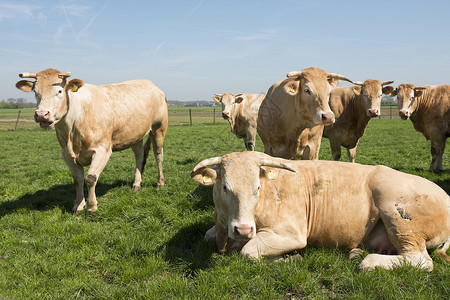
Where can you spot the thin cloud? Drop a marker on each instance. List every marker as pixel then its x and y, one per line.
pixel 269 34
pixel 14 10
pixel 193 11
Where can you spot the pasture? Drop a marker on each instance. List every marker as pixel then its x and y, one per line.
pixel 149 244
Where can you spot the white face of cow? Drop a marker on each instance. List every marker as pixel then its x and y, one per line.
pixel 406 94
pixel 372 92
pixel 237 185
pixel 228 102
pixel 50 93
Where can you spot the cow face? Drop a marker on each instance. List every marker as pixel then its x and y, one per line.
pixel 50 90
pixel 372 91
pixel 406 94
pixel 311 88
pixel 237 188
pixel 228 102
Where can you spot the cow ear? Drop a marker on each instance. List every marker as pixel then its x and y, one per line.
pixel 292 87
pixel 333 81
pixel 394 93
pixel 217 98
pixel 356 90
pixel 239 98
pixel 418 91
pixel 205 176
pixel 74 85
pixel 388 90
pixel 25 85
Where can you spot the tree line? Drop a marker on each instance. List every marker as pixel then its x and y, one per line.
pixel 16 103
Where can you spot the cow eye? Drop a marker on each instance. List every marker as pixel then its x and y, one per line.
pixel 59 92
pixel 308 91
pixel 225 189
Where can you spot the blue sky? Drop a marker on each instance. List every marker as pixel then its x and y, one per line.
pixel 193 49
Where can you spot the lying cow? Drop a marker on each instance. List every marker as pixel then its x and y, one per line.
pixel 294 111
pixel 266 207
pixel 428 107
pixel 93 121
pixel 353 108
pixel 241 111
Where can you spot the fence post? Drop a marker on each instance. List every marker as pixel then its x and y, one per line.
pixel 190 116
pixel 17 122
pixel 214 116
pixel 390 111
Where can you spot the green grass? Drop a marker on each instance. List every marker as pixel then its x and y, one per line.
pixel 149 245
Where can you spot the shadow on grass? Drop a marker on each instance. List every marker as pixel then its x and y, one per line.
pixel 62 196
pixel 205 195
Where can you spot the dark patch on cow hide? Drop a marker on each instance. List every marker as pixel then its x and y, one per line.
pixel 403 214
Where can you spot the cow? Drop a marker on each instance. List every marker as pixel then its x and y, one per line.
pixel 266 207
pixel 353 108
pixel 294 111
pixel 93 121
pixel 428 108
pixel 241 111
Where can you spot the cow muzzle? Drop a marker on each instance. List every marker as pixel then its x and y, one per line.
pixel 44 118
pixel 226 115
pixel 243 232
pixel 373 112
pixel 404 114
pixel 325 118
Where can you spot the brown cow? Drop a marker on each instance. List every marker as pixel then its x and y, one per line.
pixel 93 121
pixel 265 207
pixel 353 108
pixel 241 111
pixel 294 111
pixel 428 107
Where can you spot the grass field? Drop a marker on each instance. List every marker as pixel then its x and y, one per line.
pixel 149 245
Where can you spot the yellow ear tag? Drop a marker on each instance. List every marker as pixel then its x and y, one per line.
pixel 207 179
pixel 74 88
pixel 292 89
pixel 356 90
pixel 271 175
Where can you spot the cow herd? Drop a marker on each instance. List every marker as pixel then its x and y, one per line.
pixel 268 205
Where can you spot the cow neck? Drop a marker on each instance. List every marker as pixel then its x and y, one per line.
pixel 421 104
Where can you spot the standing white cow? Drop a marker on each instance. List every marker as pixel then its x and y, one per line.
pixel 266 207
pixel 93 121
pixel 241 111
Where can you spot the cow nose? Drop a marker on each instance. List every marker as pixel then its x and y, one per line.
pixel 374 112
pixel 243 232
pixel 225 115
pixel 327 118
pixel 41 115
pixel 404 114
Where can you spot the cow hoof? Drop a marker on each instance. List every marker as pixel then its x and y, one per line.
pixel 91 210
pixel 136 188
pixel 355 254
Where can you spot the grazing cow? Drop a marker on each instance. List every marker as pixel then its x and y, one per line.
pixel 267 207
pixel 428 107
pixel 93 121
pixel 241 111
pixel 294 111
pixel 353 108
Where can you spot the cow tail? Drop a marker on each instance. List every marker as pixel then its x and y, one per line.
pixel 147 147
pixel 443 250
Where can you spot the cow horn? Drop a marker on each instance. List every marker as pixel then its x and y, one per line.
pixel 64 75
pixel 271 162
pixel 420 88
pixel 386 82
pixel 338 76
pixel 208 162
pixel 358 83
pixel 27 75
pixel 294 74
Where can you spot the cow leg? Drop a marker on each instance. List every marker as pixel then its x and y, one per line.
pixel 77 175
pixel 138 150
pixel 271 245
pixel 437 151
pixel 98 163
pixel 351 153
pixel 157 138
pixel 417 259
pixel 335 149
pixel 250 140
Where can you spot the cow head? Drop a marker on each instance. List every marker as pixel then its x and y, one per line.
pixel 372 91
pixel 228 102
pixel 311 88
pixel 237 185
pixel 50 89
pixel 406 94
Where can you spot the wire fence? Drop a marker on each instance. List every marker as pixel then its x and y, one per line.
pixel 15 119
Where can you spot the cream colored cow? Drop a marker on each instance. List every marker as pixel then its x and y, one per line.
pixel 266 207
pixel 428 108
pixel 93 121
pixel 353 108
pixel 241 111
pixel 294 111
